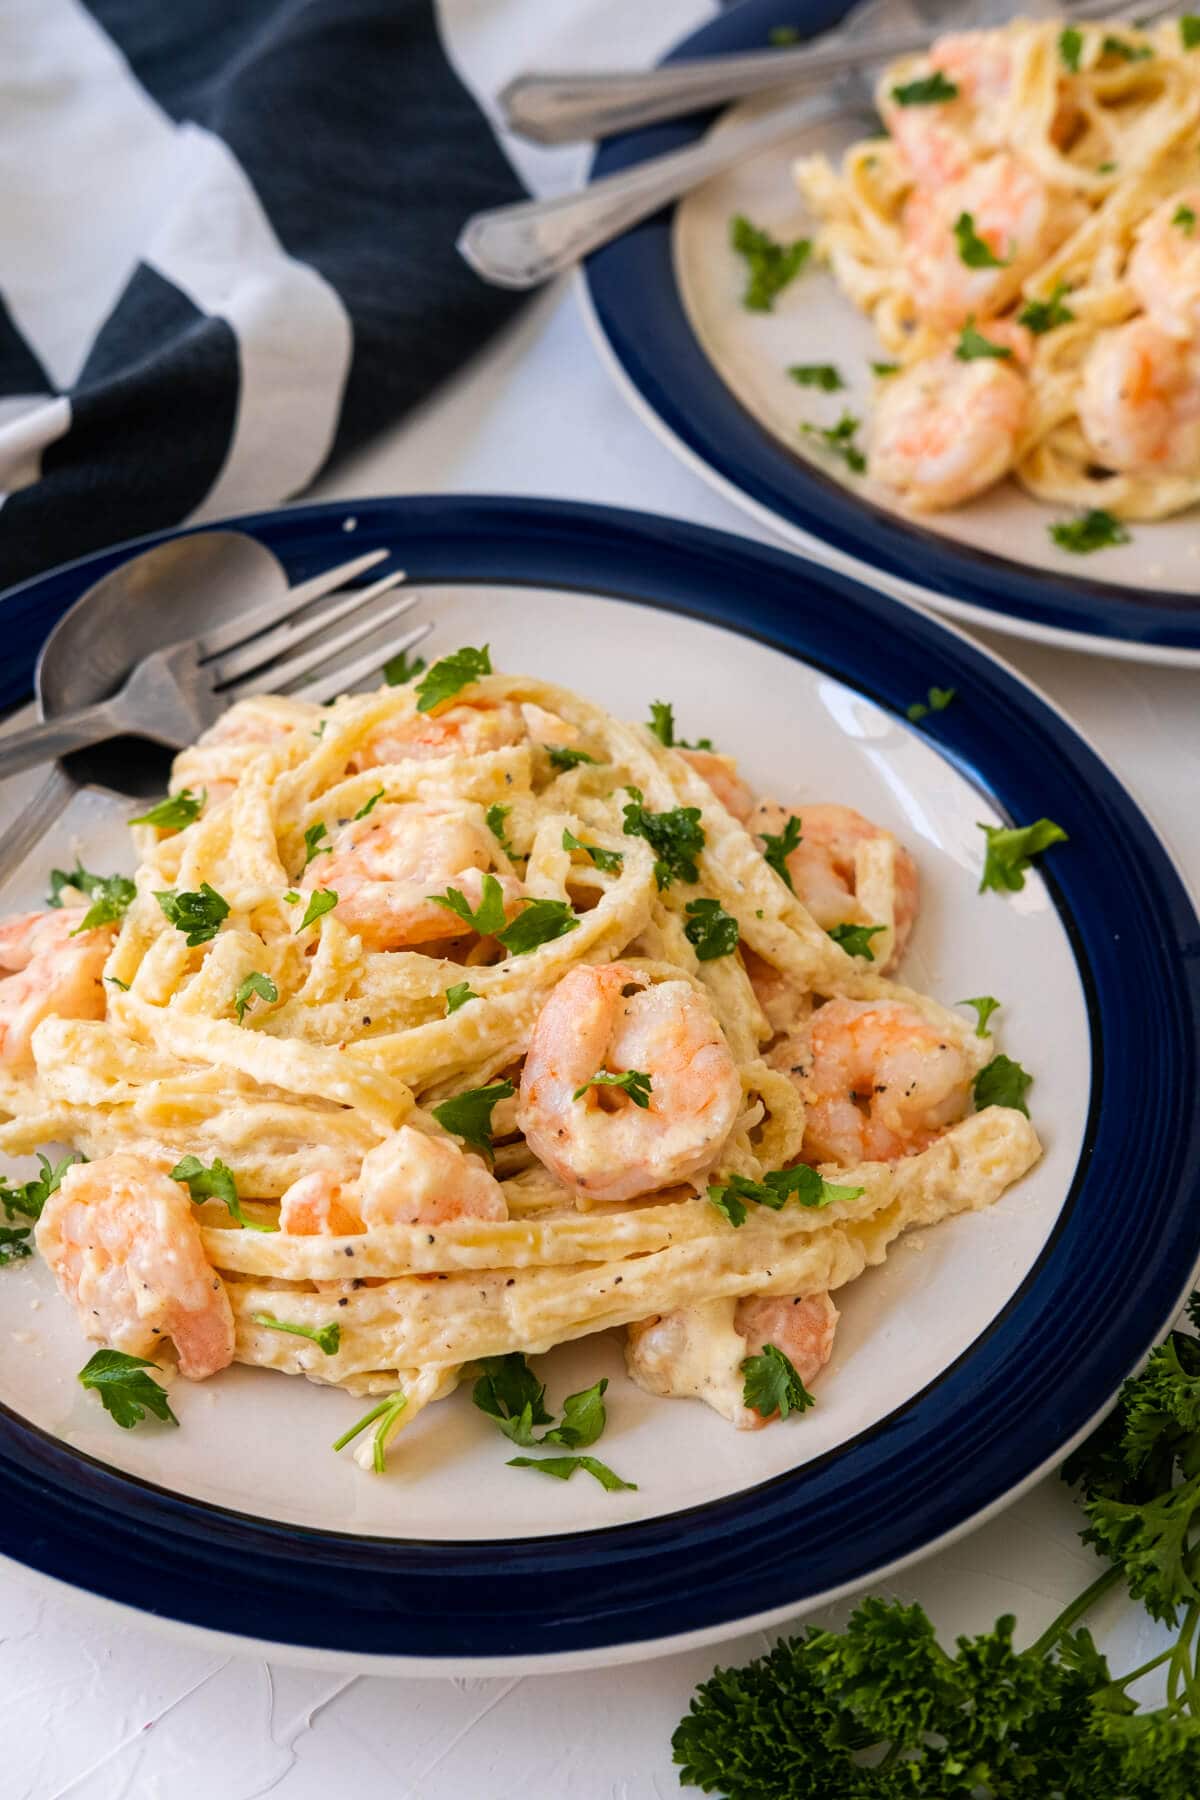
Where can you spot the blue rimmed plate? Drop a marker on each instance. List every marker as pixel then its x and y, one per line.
pixel 711 379
pixel 963 1365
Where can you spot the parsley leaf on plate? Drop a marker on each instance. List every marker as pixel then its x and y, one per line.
pixel 855 940
pixel 778 846
pixel 175 812
pixel 817 375
pixel 458 995
pixel 839 440
pixel 676 838
pixel 1093 530
pixel 936 700
pixel 198 915
pixel 1002 1083
pixel 928 90
pixel 14 1244
pixel 399 670
pixel 563 1467
pixel 451 675
pixel 772 1385
pixel 770 266
pixel 662 723
pixel 110 895
pixel 1010 849
pixel 631 1081
pixel 215 1183
pixel 469 1115
pixel 126 1392
pixel 611 862
pixel 984 1006
pixel 27 1198
pixel 255 983
pixel 326 1337
pixel 511 1395
pixel 710 930
pixel 884 369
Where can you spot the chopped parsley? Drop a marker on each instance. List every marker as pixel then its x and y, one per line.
pixel 513 1398
pixel 563 757
pixel 326 1337
pixel 312 842
pixel 495 816
pixel 631 1081
pixel 255 983
pixel 936 700
pixel 1115 46
pixel 972 250
pixel 27 1198
pixel 676 838
pixel 855 940
pixel 399 670
pixel 770 266
pixel 110 895
pixel 115 981
pixel 1002 1083
pixel 385 1417
pixel 839 440
pixel 817 375
pixel 984 1006
pixel 1009 849
pixel 126 1392
pixel 540 923
pixel 469 1115
pixel 198 915
pixel 972 346
pixel 563 1467
pixel 1185 218
pixel 778 846
pixel 487 918
pixel 451 675
pixel 800 1183
pixel 458 995
pixel 1040 316
pixel 710 930
pixel 216 1183
pixel 772 1385
pixel 611 862
pixel 662 724
pixel 320 902
pixel 929 90
pixel 883 369
pixel 1189 30
pixel 14 1244
pixel 1095 530
pixel 369 806
pixel 780 35
pixel 175 812
pixel 1070 48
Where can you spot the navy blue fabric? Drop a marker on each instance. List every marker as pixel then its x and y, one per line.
pixel 366 153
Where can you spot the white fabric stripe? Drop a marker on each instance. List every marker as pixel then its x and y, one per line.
pixel 28 422
pixel 85 172
pixel 295 340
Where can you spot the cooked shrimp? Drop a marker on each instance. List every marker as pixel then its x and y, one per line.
pixel 611 1020
pixel 125 1248
pixel 1164 270
pixel 801 1325
pixel 1139 404
pixel 881 1082
pixel 412 1178
pixel 385 867
pixel 47 970
pixel 698 1351
pixel 944 430
pixel 461 730
pixel 785 998
pixel 935 142
pixel 1019 219
pixel 721 774
pixel 825 868
pixel 319 1205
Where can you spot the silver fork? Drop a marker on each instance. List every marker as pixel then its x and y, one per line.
pixel 174 694
pixel 523 245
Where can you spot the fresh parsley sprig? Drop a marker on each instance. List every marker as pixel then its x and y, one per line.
pixel 198 915
pixel 14 1244
pixel 710 930
pixel 770 266
pixel 984 1006
pixel 927 90
pixel 469 1115
pixel 176 812
pixel 633 1082
pixel 386 1419
pixel 1002 1083
pixel 662 724
pixel 800 1183
pixel 514 1400
pixel 215 1183
pixel 839 441
pixel 855 940
pixel 126 1392
pixel 110 895
pixel 778 846
pixel 255 983
pixel 1011 849
pixel 771 1385
pixel 563 1467
pixel 449 676
pixel 540 921
pixel 26 1199
pixel 1093 530
pixel 400 669
pixel 676 838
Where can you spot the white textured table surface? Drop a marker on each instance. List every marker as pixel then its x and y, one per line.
pixel 102 1713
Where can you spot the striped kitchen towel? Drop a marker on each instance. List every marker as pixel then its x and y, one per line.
pixel 226 252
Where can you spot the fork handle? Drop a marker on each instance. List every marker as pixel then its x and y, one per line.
pixel 561 109
pixel 520 246
pixel 58 737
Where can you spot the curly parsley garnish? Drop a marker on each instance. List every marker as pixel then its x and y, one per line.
pixel 458 995
pixel 175 812
pixel 778 846
pixel 773 1386
pixel 710 930
pixel 326 1337
pixel 1040 316
pixel 1094 530
pixel 972 346
pixel 469 1115
pixel 972 249
pixel 126 1392
pixel 817 375
pixel 855 940
pixel 27 1198
pixel 984 1006
pixel 320 902
pixel 215 1183
pixel 676 838
pixel 255 983
pixel 110 895
pixel 839 440
pixel 769 266
pixel 800 1183
pixel 929 90
pixel 1002 1083
pixel 451 675
pixel 611 862
pixel 631 1081
pixel 198 915
pixel 1009 850
pixel 937 700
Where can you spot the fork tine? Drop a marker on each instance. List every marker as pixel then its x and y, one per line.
pixel 236 631
pixel 277 675
pixel 338 681
pixel 270 645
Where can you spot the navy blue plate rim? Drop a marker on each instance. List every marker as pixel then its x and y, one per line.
pixel 1036 1376
pixel 638 309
